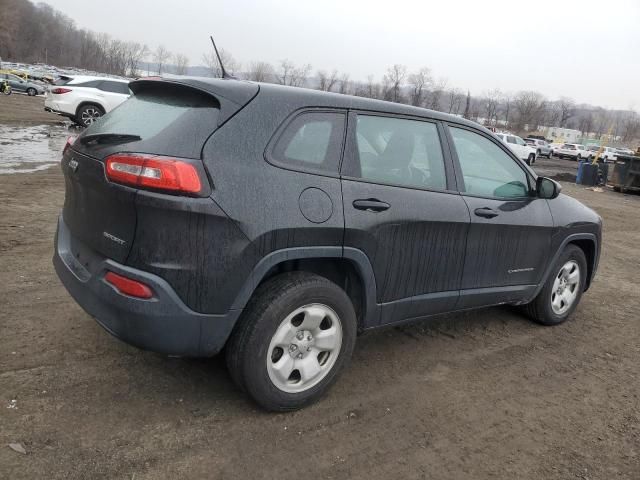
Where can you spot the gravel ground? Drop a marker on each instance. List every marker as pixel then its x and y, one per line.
pixel 481 395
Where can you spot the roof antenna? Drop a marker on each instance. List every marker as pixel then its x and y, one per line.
pixel 224 72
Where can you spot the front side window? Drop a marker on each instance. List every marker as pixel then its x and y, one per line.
pixel 511 140
pixel 312 140
pixel 487 170
pixel 398 151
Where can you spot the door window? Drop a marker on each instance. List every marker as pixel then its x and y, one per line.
pixel 312 141
pixel 398 151
pixel 114 87
pixel 487 170
pixel 511 140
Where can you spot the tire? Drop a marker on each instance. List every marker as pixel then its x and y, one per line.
pixel 531 159
pixel 541 309
pixel 31 92
pixel 538 153
pixel 549 155
pixel 578 158
pixel 277 313
pixel 87 114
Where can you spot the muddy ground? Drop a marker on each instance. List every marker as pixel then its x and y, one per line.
pixel 474 396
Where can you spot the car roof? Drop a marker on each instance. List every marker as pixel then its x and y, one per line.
pixel 88 78
pixel 235 90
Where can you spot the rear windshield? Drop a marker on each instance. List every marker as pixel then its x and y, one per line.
pixel 169 119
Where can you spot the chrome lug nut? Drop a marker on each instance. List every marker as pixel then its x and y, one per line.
pixel 299 355
pixel 309 338
pixel 293 347
pixel 300 335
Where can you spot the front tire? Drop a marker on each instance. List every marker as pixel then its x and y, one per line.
pixel 563 289
pixel 295 336
pixel 531 159
pixel 31 92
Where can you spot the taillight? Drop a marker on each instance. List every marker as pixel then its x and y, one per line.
pixel 154 172
pixel 128 286
pixel 68 144
pixel 60 91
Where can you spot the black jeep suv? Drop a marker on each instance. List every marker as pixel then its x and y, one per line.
pixel 279 222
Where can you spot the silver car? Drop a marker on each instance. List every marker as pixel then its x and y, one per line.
pixel 542 147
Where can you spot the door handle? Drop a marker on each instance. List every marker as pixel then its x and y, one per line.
pixel 370 205
pixel 486 212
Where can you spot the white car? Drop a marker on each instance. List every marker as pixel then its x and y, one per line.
pixel 574 151
pixel 517 145
pixel 608 153
pixel 85 99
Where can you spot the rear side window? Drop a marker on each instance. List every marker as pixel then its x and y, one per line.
pixel 114 87
pixel 311 141
pixel 398 151
pixel 89 84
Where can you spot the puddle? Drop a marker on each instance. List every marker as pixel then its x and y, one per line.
pixel 25 149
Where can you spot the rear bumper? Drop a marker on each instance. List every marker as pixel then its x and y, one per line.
pixel 161 324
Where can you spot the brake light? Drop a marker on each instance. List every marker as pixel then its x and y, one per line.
pixel 128 286
pixel 154 172
pixel 60 91
pixel 68 144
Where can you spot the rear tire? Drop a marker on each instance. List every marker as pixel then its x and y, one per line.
pixel 562 291
pixel 531 159
pixel 285 334
pixel 87 114
pixel 31 92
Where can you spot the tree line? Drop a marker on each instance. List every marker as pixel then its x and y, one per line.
pixel 37 33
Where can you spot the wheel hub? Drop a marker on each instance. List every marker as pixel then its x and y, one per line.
pixel 301 344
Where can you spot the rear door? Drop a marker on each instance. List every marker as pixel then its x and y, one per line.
pixel 510 233
pixel 402 211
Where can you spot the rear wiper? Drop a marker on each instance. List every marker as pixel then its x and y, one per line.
pixel 99 138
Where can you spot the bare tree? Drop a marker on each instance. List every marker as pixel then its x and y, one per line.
pixel 181 62
pixel 490 102
pixel 528 105
pixel 260 72
pixel 134 53
pixel 393 80
pixel 435 95
pixel 161 55
pixel 327 81
pixel 419 82
pixel 566 106
pixel 467 106
pixel 291 74
pixel 344 84
pixel 454 98
pixel 210 59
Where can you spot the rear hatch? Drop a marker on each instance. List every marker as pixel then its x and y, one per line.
pixel 166 118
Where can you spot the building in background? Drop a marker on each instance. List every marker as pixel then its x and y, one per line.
pixel 559 135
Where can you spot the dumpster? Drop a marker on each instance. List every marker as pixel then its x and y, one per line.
pixel 626 173
pixel 587 173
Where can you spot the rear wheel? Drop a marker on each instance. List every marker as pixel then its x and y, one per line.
pixel 562 290
pixel 31 92
pixel 295 336
pixel 531 159
pixel 87 114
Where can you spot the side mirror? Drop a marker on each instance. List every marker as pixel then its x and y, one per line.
pixel 547 188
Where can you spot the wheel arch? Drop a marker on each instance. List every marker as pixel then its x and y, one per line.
pixel 588 243
pixel 349 268
pixel 89 102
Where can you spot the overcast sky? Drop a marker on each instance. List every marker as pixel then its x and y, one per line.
pixel 588 50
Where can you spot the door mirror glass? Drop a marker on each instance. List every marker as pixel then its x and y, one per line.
pixel 547 188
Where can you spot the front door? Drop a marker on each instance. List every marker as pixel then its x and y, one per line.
pixel 401 209
pixel 510 233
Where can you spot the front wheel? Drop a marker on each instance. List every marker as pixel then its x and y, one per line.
pixel 563 289
pixel 31 92
pixel 578 158
pixel 296 335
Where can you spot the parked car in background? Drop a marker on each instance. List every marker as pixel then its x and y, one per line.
pixel 574 151
pixel 554 147
pixel 84 99
pixel 525 152
pixel 19 84
pixel 541 146
pixel 258 220
pixel 607 153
